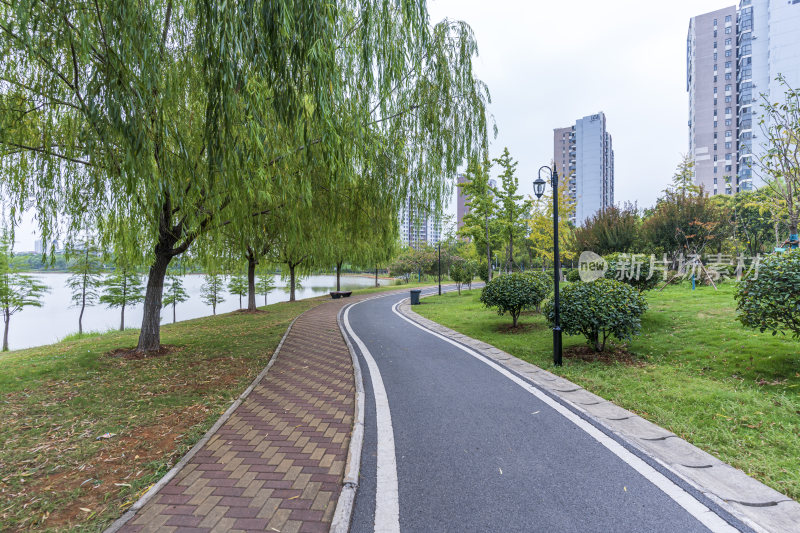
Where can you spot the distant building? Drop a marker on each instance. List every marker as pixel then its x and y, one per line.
pixel 418 229
pixel 769 46
pixel 585 153
pixel 462 209
pixel 711 83
pixel 462 200
pixel 38 247
pixel 732 58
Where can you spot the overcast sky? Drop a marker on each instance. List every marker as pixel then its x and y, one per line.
pixel 550 63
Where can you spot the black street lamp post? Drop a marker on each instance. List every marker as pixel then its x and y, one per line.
pixel 538 189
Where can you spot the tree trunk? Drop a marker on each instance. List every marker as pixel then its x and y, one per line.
pixel 338 276
pixel 510 253
pixel 516 317
pixel 251 281
pixel 7 320
pixel 122 319
pixel 214 309
pixel 240 302
pixel 173 312
pixel 488 254
pixel 150 334
pixel 80 317
pixel 376 276
pixel 291 283
pixel 265 298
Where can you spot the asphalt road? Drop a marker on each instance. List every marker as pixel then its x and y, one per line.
pixel 475 451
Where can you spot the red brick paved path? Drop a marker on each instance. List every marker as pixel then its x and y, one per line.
pixel 277 463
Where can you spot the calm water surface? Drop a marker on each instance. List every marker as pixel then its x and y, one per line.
pixel 57 318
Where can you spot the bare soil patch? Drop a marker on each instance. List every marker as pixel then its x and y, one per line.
pixel 116 465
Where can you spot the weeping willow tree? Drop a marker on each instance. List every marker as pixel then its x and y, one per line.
pixel 165 123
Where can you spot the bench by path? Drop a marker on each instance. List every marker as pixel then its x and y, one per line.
pixel 276 464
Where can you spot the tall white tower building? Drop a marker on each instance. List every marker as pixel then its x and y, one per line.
pixel 585 152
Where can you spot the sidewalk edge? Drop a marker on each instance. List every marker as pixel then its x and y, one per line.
pixel 153 490
pixel 347 498
pixel 777 513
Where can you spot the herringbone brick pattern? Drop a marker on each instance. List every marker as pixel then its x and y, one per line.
pixel 278 461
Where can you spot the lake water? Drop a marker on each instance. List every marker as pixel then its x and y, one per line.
pixel 56 318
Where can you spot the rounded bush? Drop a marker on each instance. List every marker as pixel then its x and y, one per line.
pixel 514 293
pixel 461 273
pixel 633 269
pixel 483 272
pixel 599 310
pixel 769 298
pixel 573 275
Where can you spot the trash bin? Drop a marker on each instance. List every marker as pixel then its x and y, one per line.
pixel 415 296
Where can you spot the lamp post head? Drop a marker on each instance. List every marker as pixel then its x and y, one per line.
pixel 538 187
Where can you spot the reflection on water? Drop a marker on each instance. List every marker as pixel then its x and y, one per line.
pixel 56 319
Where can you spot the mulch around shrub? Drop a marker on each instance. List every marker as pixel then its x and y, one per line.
pixel 521 328
pixel 611 355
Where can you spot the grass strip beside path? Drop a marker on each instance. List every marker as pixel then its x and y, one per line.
pixel 696 371
pixel 56 400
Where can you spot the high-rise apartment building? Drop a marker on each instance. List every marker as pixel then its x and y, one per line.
pixel 462 200
pixel 418 228
pixel 585 153
pixel 769 46
pixel 711 82
pixel 733 58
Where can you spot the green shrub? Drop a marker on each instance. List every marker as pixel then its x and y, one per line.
pixel 769 297
pixel 543 283
pixel 472 268
pixel 513 293
pixel 573 275
pixel 460 273
pixel 598 310
pixel 633 269
pixel 483 272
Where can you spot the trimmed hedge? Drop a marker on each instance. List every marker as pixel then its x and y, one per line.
pixel 769 298
pixel 599 310
pixel 514 293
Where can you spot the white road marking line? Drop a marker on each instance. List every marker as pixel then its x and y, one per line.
pixel 702 513
pixel 387 498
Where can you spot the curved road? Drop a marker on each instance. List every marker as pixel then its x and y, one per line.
pixel 454 443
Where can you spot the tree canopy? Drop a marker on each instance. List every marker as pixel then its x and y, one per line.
pixel 234 111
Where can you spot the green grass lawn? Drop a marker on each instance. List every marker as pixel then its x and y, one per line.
pixel 731 391
pixel 56 400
